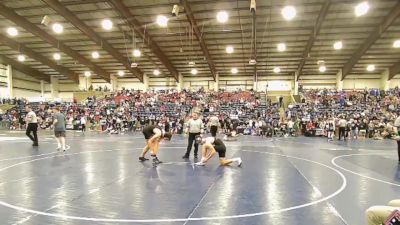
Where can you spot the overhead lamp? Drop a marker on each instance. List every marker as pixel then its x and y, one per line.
pixel 288 12
pixel 322 69
pixel 252 62
pixel 222 16
pixel 361 9
pixel 95 55
pixel 193 71
pixel 370 68
pixel 162 21
pixel 338 45
pixel 229 49
pixel 175 10
pixel 156 72
pixel 88 74
pixel 121 73
pixel 21 58
pixel 396 43
pixel 107 24
pixel 58 28
pixel 277 69
pixel 134 65
pixel 12 31
pixel 234 70
pixel 281 47
pixel 57 56
pixel 191 63
pixel 136 53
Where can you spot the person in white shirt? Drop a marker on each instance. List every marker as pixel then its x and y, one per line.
pixel 83 124
pixel 32 127
pixel 212 146
pixel 194 127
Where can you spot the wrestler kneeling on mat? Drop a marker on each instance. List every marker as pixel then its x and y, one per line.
pixel 231 136
pixel 211 146
pixel 153 135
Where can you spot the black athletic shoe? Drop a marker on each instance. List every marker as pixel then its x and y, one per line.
pixel 156 161
pixel 195 157
pixel 142 159
pixel 35 144
pixel 185 157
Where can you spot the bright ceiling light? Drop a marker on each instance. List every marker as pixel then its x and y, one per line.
pixel 361 9
pixel 21 58
pixel 281 47
pixel 222 17
pixel 156 72
pixel 396 44
pixel 95 55
pixel 57 56
pixel 162 21
pixel 288 12
pixel 370 68
pixel 121 73
pixel 107 24
pixel 137 53
pixel 88 74
pixel 229 49
pixel 322 69
pixel 338 45
pixel 193 71
pixel 234 70
pixel 58 28
pixel 277 70
pixel 12 31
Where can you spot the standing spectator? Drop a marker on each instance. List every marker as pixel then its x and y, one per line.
pixel 59 128
pixel 342 128
pixel 213 123
pixel 194 128
pixel 83 124
pixel 397 124
pixel 32 127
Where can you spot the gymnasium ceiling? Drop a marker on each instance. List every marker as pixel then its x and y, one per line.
pixel 196 35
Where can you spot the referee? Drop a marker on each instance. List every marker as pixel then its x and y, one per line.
pixel 213 123
pixel 194 127
pixel 31 121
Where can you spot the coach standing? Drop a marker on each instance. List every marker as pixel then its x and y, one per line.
pixel 213 123
pixel 32 126
pixel 194 127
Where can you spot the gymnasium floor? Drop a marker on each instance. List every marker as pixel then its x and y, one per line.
pixel 283 181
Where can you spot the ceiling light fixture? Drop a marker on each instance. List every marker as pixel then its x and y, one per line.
pixel 322 69
pixel 338 45
pixel 361 9
pixel 57 56
pixel 12 31
pixel 162 21
pixel 136 53
pixel 107 24
pixel 21 58
pixel 88 74
pixel 191 63
pixel 288 12
pixel 281 47
pixel 193 71
pixel 277 70
pixel 234 70
pixel 95 55
pixel 156 72
pixel 222 16
pixel 58 28
pixel 229 49
pixel 121 73
pixel 396 44
pixel 370 68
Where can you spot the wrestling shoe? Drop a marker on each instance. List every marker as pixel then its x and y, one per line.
pixel 156 161
pixel 58 148
pixel 240 163
pixel 200 164
pixel 142 159
pixel 185 156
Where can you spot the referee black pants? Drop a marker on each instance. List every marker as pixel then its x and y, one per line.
pixel 214 130
pixel 32 128
pixel 192 137
pixel 342 133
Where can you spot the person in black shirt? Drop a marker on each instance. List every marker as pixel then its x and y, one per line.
pixel 153 135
